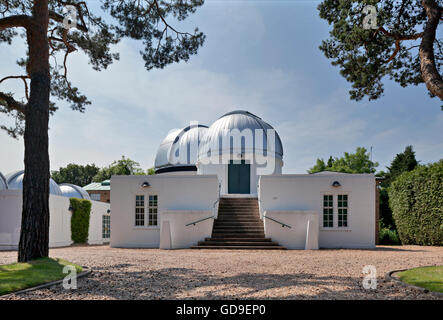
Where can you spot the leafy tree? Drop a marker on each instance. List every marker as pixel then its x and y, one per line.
pixel 318 167
pixel 52 30
pixel 124 166
pixel 403 162
pixel 75 174
pixel 151 171
pixel 399 42
pixel 358 162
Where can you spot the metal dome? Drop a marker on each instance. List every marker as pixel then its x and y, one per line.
pixel 3 183
pixel 180 148
pixel 221 129
pixel 73 191
pixel 15 182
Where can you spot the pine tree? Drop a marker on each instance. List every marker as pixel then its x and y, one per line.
pixel 53 30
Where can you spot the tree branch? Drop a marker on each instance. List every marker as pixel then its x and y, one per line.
pixel 429 72
pixel 400 36
pixel 24 81
pixel 16 22
pixel 11 104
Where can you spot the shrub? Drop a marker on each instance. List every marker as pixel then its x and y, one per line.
pixel 81 210
pixel 416 200
pixel 387 236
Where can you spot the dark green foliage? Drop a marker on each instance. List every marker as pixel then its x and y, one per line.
pixel 390 237
pixel 403 162
pixel 81 211
pixel 124 166
pixel 365 56
pixel 75 174
pixel 358 162
pixel 416 200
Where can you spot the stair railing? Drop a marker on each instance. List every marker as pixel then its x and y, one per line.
pixel 214 216
pixel 198 221
pixel 282 224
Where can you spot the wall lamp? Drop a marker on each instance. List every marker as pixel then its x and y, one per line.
pixel 336 184
pixel 108 211
pixel 145 184
pixel 71 209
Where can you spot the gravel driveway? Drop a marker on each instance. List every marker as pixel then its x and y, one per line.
pixel 235 274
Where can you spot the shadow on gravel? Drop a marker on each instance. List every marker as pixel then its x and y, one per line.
pixel 115 282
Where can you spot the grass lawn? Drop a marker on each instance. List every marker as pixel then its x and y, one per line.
pixel 430 278
pixel 19 276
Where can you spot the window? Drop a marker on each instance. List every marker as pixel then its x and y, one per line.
pixel 328 211
pixel 139 211
pixel 342 210
pixel 95 196
pixel 153 207
pixel 106 227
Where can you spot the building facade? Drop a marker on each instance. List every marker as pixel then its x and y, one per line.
pixel 222 186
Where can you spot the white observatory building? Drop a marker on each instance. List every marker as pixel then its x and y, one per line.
pixel 222 187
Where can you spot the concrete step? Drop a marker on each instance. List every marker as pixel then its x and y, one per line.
pixel 240 239
pixel 241 247
pixel 237 235
pixel 237 243
pixel 239 223
pixel 237 227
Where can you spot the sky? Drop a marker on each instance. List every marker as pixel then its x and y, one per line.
pixel 260 56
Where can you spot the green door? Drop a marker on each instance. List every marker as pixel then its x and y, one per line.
pixel 239 177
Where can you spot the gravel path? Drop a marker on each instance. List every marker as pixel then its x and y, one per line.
pixel 228 274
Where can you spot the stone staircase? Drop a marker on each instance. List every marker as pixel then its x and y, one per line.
pixel 238 226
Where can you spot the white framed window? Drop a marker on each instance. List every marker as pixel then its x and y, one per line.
pixel 328 211
pixel 153 210
pixel 95 196
pixel 342 207
pixel 139 210
pixel 106 226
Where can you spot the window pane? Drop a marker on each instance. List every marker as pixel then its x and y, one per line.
pixel 343 210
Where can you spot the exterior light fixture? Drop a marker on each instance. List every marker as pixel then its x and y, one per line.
pixel 336 184
pixel 145 184
pixel 108 211
pixel 71 209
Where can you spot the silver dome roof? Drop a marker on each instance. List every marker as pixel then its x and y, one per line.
pixel 73 191
pixel 3 183
pixel 175 150
pixel 15 182
pixel 240 120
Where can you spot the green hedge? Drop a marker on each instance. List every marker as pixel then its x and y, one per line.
pixel 81 211
pixel 416 200
pixel 390 237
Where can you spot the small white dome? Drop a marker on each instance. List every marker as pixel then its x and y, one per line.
pixel 15 182
pixel 72 191
pixel 3 183
pixel 240 120
pixel 179 150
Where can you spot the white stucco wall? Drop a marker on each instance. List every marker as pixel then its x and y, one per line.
pixel 59 220
pixel 175 193
pixel 181 235
pixel 221 170
pixel 304 192
pixel 299 235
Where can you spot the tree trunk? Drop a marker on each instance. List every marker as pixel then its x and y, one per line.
pixel 429 71
pixel 34 236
